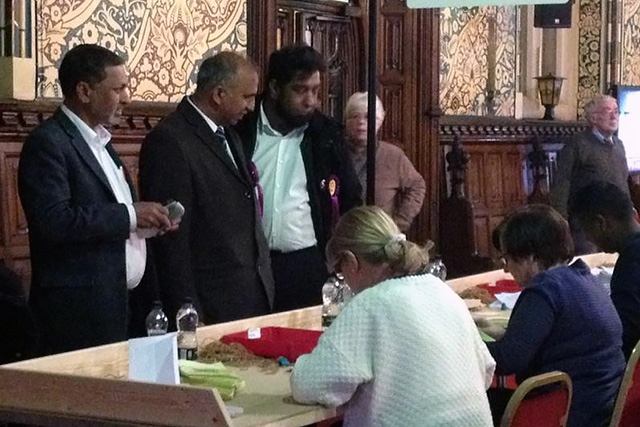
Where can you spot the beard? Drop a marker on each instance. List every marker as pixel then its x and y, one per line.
pixel 293 120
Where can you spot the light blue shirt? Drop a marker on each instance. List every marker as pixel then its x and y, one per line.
pixel 287 219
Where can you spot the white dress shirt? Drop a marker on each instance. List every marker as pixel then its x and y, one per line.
pixel 287 214
pixel 214 127
pixel 135 247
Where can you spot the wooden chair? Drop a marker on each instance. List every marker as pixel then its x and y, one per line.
pixel 540 401
pixel 626 412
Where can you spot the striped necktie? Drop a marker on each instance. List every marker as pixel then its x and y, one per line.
pixel 220 133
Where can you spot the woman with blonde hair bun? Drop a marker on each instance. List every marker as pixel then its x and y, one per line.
pixel 405 351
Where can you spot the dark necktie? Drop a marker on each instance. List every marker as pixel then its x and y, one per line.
pixel 220 133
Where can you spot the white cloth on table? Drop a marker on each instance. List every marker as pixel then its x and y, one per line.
pixel 405 352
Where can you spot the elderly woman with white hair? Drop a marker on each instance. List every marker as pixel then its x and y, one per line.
pixel 405 351
pixel 400 189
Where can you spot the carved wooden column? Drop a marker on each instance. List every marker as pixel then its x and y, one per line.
pixel 539 164
pixel 457 232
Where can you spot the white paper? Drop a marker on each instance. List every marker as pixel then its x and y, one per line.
pixel 508 299
pixel 603 274
pixel 154 359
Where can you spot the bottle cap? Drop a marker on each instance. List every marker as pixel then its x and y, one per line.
pixel 157 304
pixel 188 300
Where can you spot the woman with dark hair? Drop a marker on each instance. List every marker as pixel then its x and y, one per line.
pixel 563 320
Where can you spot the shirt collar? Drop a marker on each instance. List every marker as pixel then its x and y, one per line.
pixel 214 127
pixel 98 136
pixel 265 127
pixel 600 136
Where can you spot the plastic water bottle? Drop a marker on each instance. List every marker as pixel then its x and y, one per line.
pixel 437 268
pixel 156 321
pixel 335 295
pixel 187 323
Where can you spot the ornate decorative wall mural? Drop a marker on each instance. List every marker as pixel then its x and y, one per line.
pixel 590 34
pixel 630 51
pixel 477 59
pixel 163 41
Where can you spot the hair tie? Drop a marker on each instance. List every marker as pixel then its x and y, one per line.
pixel 394 240
pixel 400 237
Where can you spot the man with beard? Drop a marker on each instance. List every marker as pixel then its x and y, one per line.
pixel 306 177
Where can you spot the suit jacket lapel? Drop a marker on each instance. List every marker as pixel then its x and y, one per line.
pixel 116 159
pixel 82 147
pixel 210 139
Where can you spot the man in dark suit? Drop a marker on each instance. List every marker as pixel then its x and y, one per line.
pixel 81 209
pixel 305 172
pixel 219 256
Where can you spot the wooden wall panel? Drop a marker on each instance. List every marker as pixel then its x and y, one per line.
pixel 497 171
pixel 18 232
pixel 392 130
pixel 483 231
pixel 475 184
pixel 493 179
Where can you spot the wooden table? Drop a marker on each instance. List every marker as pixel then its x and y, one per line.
pixel 90 387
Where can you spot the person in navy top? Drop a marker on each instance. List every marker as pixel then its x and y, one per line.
pixel 564 320
pixel 607 216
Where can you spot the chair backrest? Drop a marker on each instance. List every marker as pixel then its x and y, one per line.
pixel 540 401
pixel 626 413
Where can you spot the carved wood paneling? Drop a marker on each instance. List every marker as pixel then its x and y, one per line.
pixel 325 26
pixel 498 175
pixel 18 230
pixel 408 40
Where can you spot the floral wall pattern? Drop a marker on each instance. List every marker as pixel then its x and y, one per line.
pixel 589 52
pixel 163 41
pixel 477 56
pixel 630 50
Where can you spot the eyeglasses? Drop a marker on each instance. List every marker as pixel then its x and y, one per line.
pixel 608 112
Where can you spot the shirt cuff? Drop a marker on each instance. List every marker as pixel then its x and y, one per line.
pixel 133 220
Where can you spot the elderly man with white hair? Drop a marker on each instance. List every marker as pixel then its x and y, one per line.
pixel 593 155
pixel 400 189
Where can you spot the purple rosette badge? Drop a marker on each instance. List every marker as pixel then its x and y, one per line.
pixel 333 187
pixel 255 179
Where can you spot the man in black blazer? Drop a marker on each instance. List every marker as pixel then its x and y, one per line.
pixel 219 256
pixel 307 178
pixel 81 209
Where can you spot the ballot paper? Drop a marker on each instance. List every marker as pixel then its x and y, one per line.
pixel 154 359
pixel 505 300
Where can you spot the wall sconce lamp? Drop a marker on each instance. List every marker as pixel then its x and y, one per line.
pixel 549 87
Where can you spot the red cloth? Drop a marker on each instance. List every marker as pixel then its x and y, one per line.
pixel 501 286
pixel 275 341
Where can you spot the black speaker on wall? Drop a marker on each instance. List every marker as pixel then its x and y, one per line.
pixel 552 15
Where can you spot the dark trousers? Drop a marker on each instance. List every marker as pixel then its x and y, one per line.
pixel 298 278
pixel 498 399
